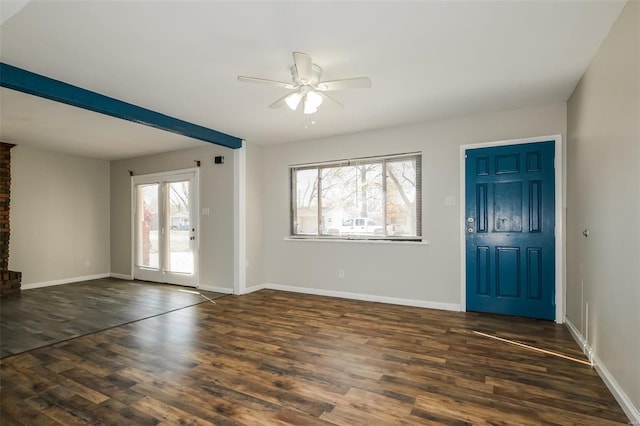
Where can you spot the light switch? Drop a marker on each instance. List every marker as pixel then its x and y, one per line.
pixel 450 200
pixel 205 211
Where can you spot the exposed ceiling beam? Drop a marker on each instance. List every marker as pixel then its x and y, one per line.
pixel 35 84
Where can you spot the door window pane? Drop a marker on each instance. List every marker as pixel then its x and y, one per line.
pixel 180 256
pixel 147 218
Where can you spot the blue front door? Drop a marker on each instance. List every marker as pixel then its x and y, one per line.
pixel 510 227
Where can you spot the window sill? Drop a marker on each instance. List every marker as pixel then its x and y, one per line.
pixel 358 241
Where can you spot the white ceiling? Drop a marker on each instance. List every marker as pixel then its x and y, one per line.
pixel 428 60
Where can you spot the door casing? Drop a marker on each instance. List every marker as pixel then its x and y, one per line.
pixel 559 216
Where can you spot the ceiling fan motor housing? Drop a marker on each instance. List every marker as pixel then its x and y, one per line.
pixel 316 72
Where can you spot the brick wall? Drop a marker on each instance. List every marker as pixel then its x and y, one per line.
pixel 9 280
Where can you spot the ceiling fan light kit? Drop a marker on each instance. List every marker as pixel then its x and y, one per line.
pixel 308 90
pixel 310 100
pixel 293 100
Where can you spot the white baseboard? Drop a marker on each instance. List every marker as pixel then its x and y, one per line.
pixel 365 297
pixel 121 276
pixel 254 288
pixel 580 340
pixel 625 402
pixel 223 290
pixel 63 281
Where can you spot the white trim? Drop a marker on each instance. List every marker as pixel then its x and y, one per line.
pixel 240 219
pixel 121 276
pixel 357 160
pixel 561 205
pixel 64 281
pixel 254 288
pixel 358 241
pixel 198 223
pixel 365 297
pixel 560 217
pixel 132 229
pixel 224 290
pixel 151 177
pixel 580 340
pixel 625 402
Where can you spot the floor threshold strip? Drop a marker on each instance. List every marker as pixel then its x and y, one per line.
pixel 198 293
pixel 533 348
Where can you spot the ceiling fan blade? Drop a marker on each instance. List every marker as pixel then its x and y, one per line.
pixel 280 102
pixel 304 66
pixel 266 82
pixel 330 98
pixel 345 83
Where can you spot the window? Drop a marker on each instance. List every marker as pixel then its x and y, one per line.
pixel 366 198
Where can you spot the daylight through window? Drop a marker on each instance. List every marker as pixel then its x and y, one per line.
pixel 366 198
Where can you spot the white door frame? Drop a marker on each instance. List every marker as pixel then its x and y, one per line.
pixel 560 245
pixel 168 177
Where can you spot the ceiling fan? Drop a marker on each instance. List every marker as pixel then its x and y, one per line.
pixel 308 90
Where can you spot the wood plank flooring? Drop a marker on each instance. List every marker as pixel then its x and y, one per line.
pixel 42 316
pixel 284 358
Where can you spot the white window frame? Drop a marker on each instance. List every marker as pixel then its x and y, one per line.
pixel 351 162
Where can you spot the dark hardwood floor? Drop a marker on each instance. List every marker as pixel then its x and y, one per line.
pixel 47 315
pixel 283 358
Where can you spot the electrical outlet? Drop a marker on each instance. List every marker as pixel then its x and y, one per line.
pixel 87 263
pixel 340 273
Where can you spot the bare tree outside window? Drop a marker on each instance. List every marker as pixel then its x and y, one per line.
pixel 179 197
pixel 179 206
pixel 306 196
pixel 401 197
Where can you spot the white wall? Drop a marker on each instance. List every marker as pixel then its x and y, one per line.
pixel 603 187
pixel 59 216
pixel 216 193
pixel 428 273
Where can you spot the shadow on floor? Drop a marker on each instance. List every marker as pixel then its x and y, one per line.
pixel 48 315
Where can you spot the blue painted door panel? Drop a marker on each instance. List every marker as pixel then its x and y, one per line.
pixel 510 227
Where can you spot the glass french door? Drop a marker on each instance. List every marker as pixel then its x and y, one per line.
pixel 165 245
